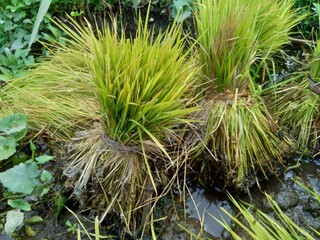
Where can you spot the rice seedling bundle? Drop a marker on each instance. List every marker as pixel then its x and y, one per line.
pixel 121 97
pixel 233 36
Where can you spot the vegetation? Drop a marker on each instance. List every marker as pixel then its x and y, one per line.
pixel 233 38
pixel 126 113
pixel 17 19
pixel 259 225
pixel 32 183
pixel 124 103
pixel 295 102
pixel 307 25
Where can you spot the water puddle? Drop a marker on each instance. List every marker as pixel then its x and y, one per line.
pixel 203 206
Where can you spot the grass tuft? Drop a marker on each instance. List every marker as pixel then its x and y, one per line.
pixel 259 225
pixel 234 37
pixel 118 100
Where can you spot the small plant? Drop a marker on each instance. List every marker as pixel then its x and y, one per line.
pixel 181 9
pixel 259 225
pixel 23 180
pixel 310 23
pixel 79 229
pixel 13 128
pixel 20 23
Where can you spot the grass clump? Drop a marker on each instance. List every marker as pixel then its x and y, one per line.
pixel 259 225
pixel 123 98
pixel 234 37
pixel 295 103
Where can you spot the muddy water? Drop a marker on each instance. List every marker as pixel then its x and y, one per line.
pixel 202 206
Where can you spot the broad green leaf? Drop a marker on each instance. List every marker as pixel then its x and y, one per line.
pixel 18 15
pixel 8 26
pixel 11 58
pixel 316 7
pixel 21 178
pixel 27 2
pixel 44 158
pixel 7 147
pixel 27 21
pixel 19 204
pixel 43 9
pixel 6 72
pixel 181 10
pixel 45 176
pixel 19 135
pixel 55 31
pixel 14 219
pixel 17 44
pixel 19 157
pixel 13 123
pixel 29 61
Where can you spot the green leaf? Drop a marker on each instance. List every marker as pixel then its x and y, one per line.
pixel 17 44
pixel 44 158
pixel 45 176
pixel 14 219
pixel 27 21
pixel 18 15
pixel 316 7
pixel 33 147
pixel 7 147
pixel 19 204
pixel 6 73
pixel 29 61
pixel 19 135
pixel 29 231
pixel 19 157
pixel 34 219
pixel 181 10
pixel 9 55
pixel 55 31
pixel 43 9
pixel 60 201
pixel 44 191
pixel 21 178
pixel 13 123
pixel 8 26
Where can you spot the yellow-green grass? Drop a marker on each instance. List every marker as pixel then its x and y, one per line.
pixel 296 107
pixel 235 34
pixel 315 63
pixel 259 225
pixel 233 37
pixel 241 134
pixel 295 103
pixel 123 98
pixel 253 223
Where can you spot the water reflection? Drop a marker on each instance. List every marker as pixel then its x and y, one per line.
pixel 204 205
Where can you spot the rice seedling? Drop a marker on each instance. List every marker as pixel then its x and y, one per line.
pixel 81 229
pixel 233 37
pixel 122 98
pixel 259 225
pixel 295 103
